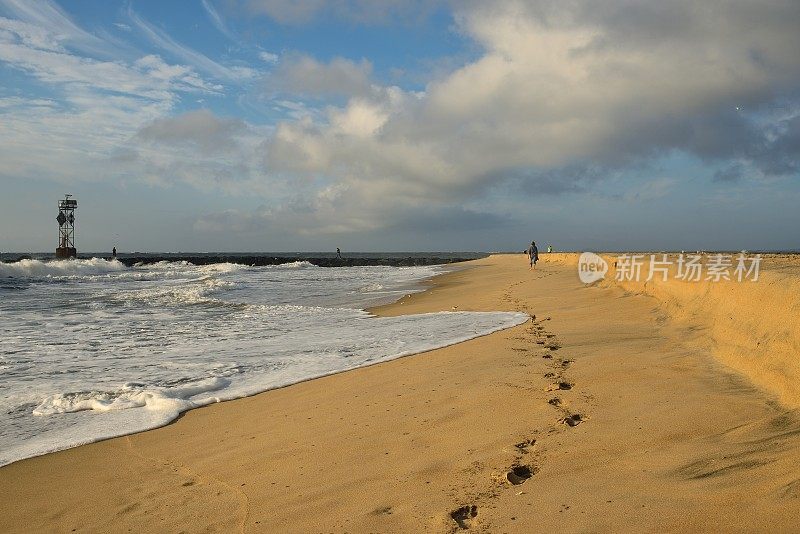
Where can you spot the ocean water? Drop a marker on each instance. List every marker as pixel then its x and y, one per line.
pixel 91 349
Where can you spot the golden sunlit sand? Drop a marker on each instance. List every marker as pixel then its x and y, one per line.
pixel 617 407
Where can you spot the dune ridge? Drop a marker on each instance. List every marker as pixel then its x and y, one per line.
pixel 751 326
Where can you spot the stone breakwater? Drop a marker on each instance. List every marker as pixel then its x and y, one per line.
pixel 392 260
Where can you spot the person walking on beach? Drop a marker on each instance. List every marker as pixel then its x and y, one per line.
pixel 338 254
pixel 533 254
pixel 114 253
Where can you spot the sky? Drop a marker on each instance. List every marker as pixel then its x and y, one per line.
pixel 391 125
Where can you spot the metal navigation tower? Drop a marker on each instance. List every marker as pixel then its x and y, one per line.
pixel 66 228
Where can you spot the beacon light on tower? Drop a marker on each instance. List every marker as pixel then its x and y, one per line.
pixel 66 228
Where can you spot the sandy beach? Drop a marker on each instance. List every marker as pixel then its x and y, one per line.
pixel 617 407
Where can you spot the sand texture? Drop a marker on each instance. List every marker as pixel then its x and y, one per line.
pixel 618 407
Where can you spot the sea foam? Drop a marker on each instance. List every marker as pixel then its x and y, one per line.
pixel 59 268
pixel 110 350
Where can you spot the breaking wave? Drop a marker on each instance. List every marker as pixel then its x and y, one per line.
pixel 60 268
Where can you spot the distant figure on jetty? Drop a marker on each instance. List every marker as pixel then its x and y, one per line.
pixel 114 253
pixel 533 254
pixel 338 254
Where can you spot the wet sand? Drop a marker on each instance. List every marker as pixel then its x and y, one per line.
pixel 613 409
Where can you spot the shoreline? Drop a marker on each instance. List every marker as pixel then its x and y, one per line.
pixel 480 434
pixel 418 287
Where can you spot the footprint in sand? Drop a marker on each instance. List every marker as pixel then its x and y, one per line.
pixel 463 515
pixel 573 419
pixel 562 386
pixel 555 401
pixel 519 474
pixel 523 446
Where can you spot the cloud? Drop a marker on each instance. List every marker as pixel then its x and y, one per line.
pixel 358 11
pixel 29 35
pixel 217 20
pixel 35 50
pixel 321 220
pixel 286 11
pixel 107 119
pixel 304 75
pixel 574 178
pixel 268 57
pixel 194 58
pixel 778 154
pixel 732 173
pixel 199 128
pixel 49 18
pixel 558 90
